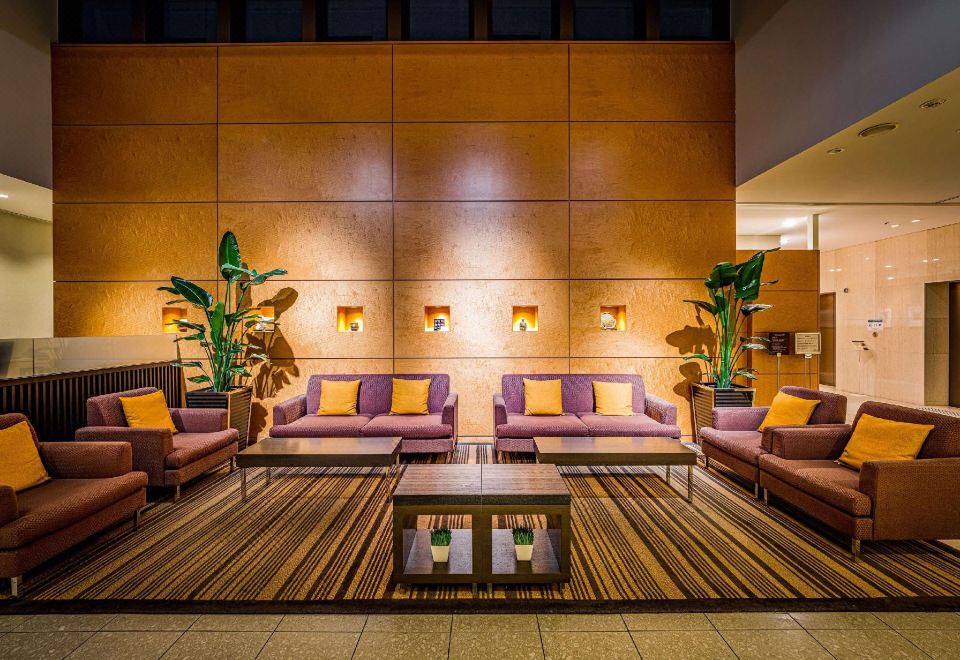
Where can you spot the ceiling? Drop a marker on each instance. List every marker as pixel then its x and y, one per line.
pixel 25 198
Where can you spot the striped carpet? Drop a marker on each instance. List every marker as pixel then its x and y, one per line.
pixel 319 537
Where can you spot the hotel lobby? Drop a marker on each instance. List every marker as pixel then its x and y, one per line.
pixel 475 328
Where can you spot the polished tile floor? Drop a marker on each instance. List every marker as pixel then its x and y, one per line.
pixel 764 635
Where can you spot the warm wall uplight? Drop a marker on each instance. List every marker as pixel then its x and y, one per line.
pixel 525 319
pixel 170 317
pixel 436 319
pixel 349 319
pixel 613 317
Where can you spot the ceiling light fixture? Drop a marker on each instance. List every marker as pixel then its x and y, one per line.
pixel 835 151
pixel 891 278
pixel 894 226
pixel 915 220
pixel 936 260
pixel 4 196
pixel 790 222
pixel 932 103
pixel 888 266
pixel 784 240
pixel 878 129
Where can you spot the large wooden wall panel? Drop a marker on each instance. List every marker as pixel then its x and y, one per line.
pixel 134 164
pixel 651 82
pixel 480 82
pixel 304 162
pixel 481 161
pixel 315 240
pixel 103 242
pixel 134 85
pixel 481 240
pixel 301 83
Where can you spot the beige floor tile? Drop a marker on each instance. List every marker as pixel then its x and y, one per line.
pixel 64 623
pixel 26 646
pixel 322 623
pixel 681 645
pixel 936 643
pixel 496 643
pixel 866 644
pixel 585 645
pixel 197 645
pixel 838 620
pixel 408 623
pixel 581 622
pixel 160 622
pixel 920 620
pixel 679 621
pixel 419 645
pixel 237 622
pixel 140 645
pixel 499 622
pixel 753 621
pixel 774 644
pixel 9 622
pixel 309 645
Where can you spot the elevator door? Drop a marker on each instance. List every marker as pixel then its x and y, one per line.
pixel 828 339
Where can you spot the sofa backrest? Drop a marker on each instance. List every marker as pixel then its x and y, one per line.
pixel 12 419
pixel 832 408
pixel 106 409
pixel 376 391
pixel 576 390
pixel 944 439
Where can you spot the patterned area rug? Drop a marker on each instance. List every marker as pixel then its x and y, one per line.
pixel 322 536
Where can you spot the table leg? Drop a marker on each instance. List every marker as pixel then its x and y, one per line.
pixel 667 470
pixel 689 483
pixel 243 484
pixel 269 476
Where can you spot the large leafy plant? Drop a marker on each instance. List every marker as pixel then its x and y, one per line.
pixel 733 290
pixel 222 337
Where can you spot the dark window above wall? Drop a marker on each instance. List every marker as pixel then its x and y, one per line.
pixel 98 21
pixel 352 20
pixel 621 20
pixel 187 21
pixel 524 19
pixel 438 20
pixel 272 20
pixel 689 19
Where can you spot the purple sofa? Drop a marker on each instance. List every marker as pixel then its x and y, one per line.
pixel 515 431
pixel 432 433
pixel 735 442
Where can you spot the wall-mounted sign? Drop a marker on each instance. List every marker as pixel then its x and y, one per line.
pixel 806 343
pixel 875 324
pixel 779 343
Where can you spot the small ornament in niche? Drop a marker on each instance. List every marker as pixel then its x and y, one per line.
pixel 523 325
pixel 608 321
pixel 354 326
pixel 438 324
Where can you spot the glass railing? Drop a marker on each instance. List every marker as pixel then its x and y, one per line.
pixel 39 357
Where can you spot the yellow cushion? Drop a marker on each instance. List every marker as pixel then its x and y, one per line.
pixel 338 397
pixel 542 397
pixel 613 398
pixel 789 410
pixel 147 412
pixel 410 397
pixel 876 439
pixel 20 464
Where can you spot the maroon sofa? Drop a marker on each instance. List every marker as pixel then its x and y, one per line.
pixel 92 487
pixel 735 442
pixel 432 433
pixel 652 416
pixel 884 500
pixel 202 441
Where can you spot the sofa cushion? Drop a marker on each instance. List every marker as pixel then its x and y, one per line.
pixel 826 480
pixel 408 426
pixel 59 503
pixel 191 447
pixel 321 426
pixel 531 426
pixel 744 445
pixel 633 425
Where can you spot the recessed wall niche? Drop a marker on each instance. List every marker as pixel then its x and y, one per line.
pixel 613 318
pixel 436 319
pixel 349 319
pixel 170 317
pixel 526 318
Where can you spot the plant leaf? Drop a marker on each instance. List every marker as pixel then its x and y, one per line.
pixel 753 308
pixel 755 347
pixel 704 305
pixel 199 379
pixel 747 279
pixel 745 374
pixel 698 356
pixel 183 323
pixel 190 363
pixel 723 274
pixel 228 254
pixel 764 339
pixel 192 293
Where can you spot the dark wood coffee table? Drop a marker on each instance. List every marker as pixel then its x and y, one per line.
pixel 591 452
pixel 319 452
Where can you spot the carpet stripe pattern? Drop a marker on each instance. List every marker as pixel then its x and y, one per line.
pixel 322 535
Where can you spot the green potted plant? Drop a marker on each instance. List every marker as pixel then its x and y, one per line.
pixel 226 357
pixel 440 544
pixel 733 290
pixel 523 543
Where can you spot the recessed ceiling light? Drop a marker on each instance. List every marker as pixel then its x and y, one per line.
pixel 936 260
pixel 839 270
pixel 932 103
pixel 888 266
pixel 835 151
pixel 784 240
pixel 866 258
pixel 4 196
pixel 894 226
pixel 924 260
pixel 790 222
pixel 878 129
pixel 915 220
pixel 891 278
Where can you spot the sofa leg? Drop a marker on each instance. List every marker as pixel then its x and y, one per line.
pixel 176 493
pixel 136 519
pixel 766 496
pixel 756 491
pixel 15 585
pixel 706 462
pixel 233 463
pixel 855 548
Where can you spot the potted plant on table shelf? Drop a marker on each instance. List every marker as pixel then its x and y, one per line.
pixel 223 367
pixel 523 543
pixel 440 544
pixel 733 290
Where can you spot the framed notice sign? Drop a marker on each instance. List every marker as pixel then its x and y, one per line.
pixel 806 343
pixel 779 343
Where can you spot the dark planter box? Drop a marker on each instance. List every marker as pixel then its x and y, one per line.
pixel 237 403
pixel 706 397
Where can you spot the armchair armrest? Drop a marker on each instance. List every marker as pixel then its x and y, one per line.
pixel 660 409
pixel 450 410
pixel 499 411
pixel 86 460
pixel 199 420
pixel 806 443
pixel 290 410
pixel 913 499
pixel 150 446
pixel 9 510
pixel 739 418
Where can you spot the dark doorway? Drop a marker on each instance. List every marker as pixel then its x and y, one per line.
pixel 828 339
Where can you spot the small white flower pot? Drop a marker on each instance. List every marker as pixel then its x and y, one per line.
pixel 441 553
pixel 524 552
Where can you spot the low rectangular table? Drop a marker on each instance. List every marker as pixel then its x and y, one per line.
pixel 319 452
pixel 589 451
